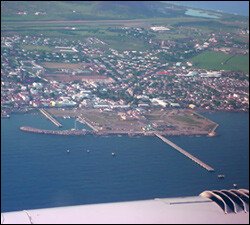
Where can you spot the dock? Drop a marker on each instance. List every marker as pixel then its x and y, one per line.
pixel 179 149
pixel 48 116
pixel 84 120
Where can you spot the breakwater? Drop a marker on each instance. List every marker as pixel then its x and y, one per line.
pixel 55 132
pixel 104 133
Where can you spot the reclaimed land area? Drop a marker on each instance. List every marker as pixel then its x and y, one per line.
pixel 164 122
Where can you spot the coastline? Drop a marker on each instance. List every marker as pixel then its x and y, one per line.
pixel 100 133
pixel 199 110
pixel 97 132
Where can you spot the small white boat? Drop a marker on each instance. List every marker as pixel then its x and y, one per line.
pixel 235 185
pixel 88 151
pixel 5 116
pixel 68 151
pixel 113 154
pixel 221 176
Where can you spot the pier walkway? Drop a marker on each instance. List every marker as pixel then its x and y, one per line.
pixel 47 115
pixel 179 149
pixel 84 120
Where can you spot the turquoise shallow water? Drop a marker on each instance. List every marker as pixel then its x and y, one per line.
pixel 37 172
pixel 198 13
pixel 238 7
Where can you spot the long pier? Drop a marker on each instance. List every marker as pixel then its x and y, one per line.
pixel 179 149
pixel 47 115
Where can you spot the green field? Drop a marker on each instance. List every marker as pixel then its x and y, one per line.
pixel 37 48
pixel 82 10
pixel 125 43
pixel 169 36
pixel 113 39
pixel 215 61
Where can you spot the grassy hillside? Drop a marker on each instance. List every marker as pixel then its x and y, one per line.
pixel 78 10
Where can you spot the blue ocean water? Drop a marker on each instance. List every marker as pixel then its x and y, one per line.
pixel 37 172
pixel 238 7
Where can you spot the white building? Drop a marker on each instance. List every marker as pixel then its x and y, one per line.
pixel 159 28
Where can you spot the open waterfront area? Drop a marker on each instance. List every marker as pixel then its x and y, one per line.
pixel 144 167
